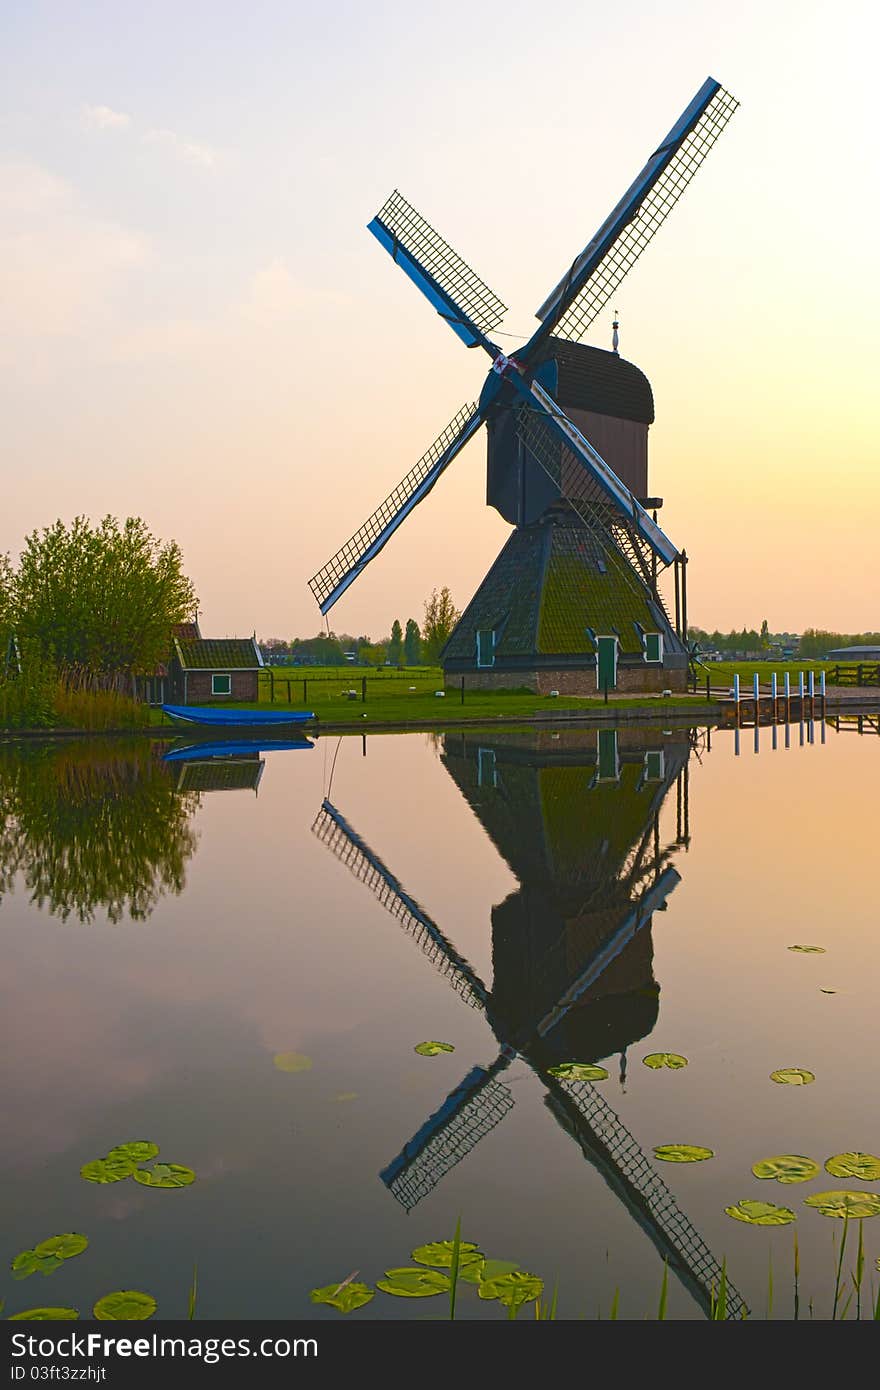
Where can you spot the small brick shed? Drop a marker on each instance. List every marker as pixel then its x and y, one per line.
pixel 206 670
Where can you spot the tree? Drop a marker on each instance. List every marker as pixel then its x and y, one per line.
pixel 395 646
pixel 412 643
pixel 765 636
pixel 101 600
pixel 441 615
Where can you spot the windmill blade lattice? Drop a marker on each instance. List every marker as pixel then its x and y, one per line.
pixel 448 282
pixel 467 1115
pixel 597 272
pixel 334 831
pixel 616 536
pixel 627 1169
pixel 333 578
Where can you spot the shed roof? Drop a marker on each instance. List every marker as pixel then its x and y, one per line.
pixel 218 654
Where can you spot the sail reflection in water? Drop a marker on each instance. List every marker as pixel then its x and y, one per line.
pixel 578 822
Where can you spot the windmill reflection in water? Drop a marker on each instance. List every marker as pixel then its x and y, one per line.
pixel 578 821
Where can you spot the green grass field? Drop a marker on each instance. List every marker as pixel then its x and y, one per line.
pixel 409 698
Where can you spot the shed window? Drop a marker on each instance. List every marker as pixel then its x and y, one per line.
pixel 653 646
pixel 486 648
pixel 221 685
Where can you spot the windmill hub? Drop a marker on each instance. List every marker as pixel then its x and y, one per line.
pixel 564 428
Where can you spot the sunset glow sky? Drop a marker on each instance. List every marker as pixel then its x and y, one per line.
pixel 196 327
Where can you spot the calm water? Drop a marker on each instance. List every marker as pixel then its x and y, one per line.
pixel 170 928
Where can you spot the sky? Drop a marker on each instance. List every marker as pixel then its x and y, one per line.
pixel 196 327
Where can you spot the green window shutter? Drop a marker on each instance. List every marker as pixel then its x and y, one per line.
pixel 486 648
pixel 653 646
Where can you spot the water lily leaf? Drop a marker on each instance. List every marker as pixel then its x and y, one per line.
pixel 866 1167
pixel 809 950
pixel 25 1263
pixel 786 1168
pixel 108 1169
pixel 65 1247
pixel 439 1252
pixel 164 1175
pixel 292 1061
pixel 414 1283
pixel 432 1049
pixel 853 1204
pixel 673 1060
pixel 45 1315
pixel 140 1150
pixel 47 1263
pixel 682 1153
pixel 578 1071
pixel 346 1297
pixel 760 1213
pixel 484 1271
pixel 125 1305
pixel 513 1289
pixel 793 1076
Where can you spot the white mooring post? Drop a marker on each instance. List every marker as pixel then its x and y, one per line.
pixel 812 679
pixel 787 698
pixel 756 696
pixel 773 694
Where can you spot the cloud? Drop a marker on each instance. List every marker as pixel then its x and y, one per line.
pixel 104 118
pixel 59 262
pixel 277 296
pixel 187 150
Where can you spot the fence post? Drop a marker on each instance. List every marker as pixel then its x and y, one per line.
pixel 271 685
pixel 462 690
pixel 305 687
pixel 288 690
pixel 708 689
pixel 363 690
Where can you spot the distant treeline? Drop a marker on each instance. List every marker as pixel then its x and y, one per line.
pixel 813 642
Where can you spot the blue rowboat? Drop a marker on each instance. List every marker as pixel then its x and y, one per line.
pixel 228 748
pixel 209 715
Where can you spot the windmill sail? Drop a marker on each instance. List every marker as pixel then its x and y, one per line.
pixel 457 293
pixel 595 274
pixel 583 476
pixel 333 578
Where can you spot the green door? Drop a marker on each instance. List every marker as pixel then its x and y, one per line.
pixel 606 663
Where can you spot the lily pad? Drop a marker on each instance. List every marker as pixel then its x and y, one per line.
pixel 45 1315
pixel 65 1247
pixel 760 1213
pixel 292 1061
pixel 484 1271
pixel 108 1169
pixel 852 1204
pixel 786 1168
pixel 793 1076
pixel 865 1167
pixel 431 1049
pixel 125 1305
pixel 414 1283
pixel 139 1150
pixel 673 1060
pixel 513 1289
pixel 809 950
pixel 578 1071
pixel 164 1175
pixel 346 1297
pixel 682 1153
pixel 439 1252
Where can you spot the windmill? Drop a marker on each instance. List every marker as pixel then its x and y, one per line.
pixel 572 600
pixel 572 957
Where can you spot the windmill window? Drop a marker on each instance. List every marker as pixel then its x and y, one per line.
pixel 653 646
pixel 654 765
pixel 487 774
pixel 486 647
pixel 221 685
pixel 607 760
